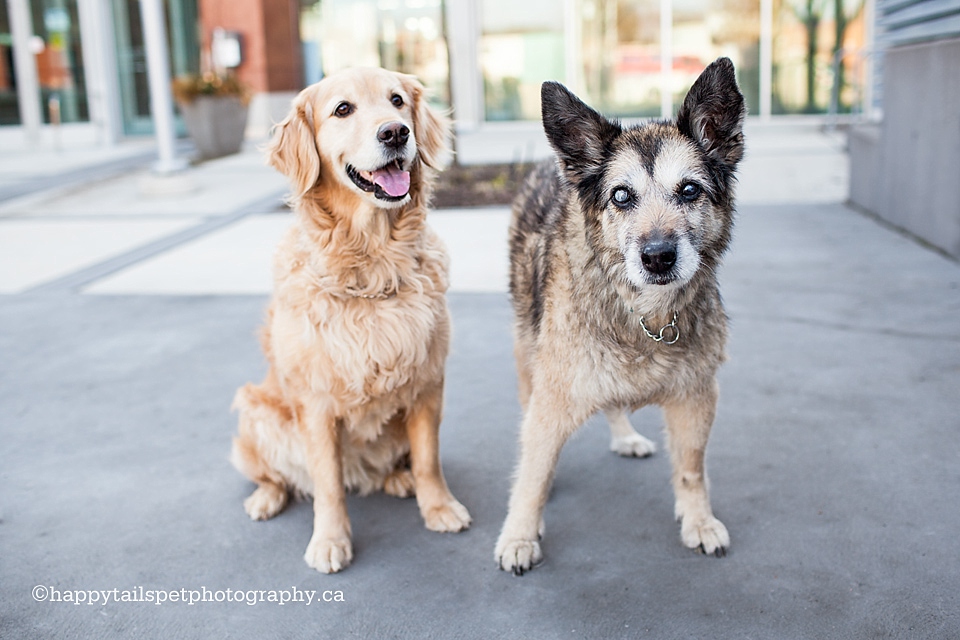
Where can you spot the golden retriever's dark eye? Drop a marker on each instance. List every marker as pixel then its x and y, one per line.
pixel 343 110
pixel 690 191
pixel 396 100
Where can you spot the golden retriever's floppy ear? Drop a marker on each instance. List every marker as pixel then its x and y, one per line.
pixel 293 149
pixel 431 129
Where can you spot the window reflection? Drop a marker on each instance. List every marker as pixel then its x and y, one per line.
pixel 402 35
pixel 621 56
pixel 521 45
pixel 9 108
pixel 807 37
pixel 59 60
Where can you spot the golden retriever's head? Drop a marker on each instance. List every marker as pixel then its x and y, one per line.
pixel 361 130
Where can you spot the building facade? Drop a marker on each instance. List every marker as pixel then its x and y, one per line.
pixel 906 168
pixel 81 63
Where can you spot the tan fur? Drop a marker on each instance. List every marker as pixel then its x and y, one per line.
pixel 357 331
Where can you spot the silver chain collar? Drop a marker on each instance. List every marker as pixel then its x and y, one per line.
pixel 672 335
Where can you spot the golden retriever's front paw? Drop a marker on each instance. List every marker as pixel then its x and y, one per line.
pixel 449 517
pixel 706 535
pixel 265 502
pixel 328 555
pixel 517 556
pixel 633 446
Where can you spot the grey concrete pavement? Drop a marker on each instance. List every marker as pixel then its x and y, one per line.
pixel 833 460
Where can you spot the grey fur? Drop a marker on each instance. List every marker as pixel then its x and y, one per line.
pixel 583 232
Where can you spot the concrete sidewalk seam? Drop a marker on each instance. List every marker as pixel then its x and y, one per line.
pixel 76 281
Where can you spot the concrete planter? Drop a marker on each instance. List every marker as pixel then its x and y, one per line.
pixel 216 124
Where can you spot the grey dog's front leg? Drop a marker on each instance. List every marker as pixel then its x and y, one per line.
pixel 689 420
pixel 542 436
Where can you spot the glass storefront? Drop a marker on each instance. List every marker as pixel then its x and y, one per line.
pixel 620 53
pixel 704 30
pixel 609 51
pixel 55 46
pixel 792 56
pixel 9 108
pixel 807 39
pixel 403 35
pixel 521 45
pixel 132 60
pixel 59 57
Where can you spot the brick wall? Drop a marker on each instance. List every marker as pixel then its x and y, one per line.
pixel 270 38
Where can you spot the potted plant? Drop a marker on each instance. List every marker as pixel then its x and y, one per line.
pixel 214 109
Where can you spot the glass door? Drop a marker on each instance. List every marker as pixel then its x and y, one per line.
pixel 9 108
pixel 132 60
pixel 63 91
pixel 620 53
pixel 403 35
pixel 521 45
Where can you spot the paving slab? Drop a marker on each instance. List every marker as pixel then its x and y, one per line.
pixel 833 463
pixel 238 258
pixel 34 251
pixel 24 169
pixel 211 188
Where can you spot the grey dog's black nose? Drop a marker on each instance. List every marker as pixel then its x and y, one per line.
pixel 659 256
pixel 393 134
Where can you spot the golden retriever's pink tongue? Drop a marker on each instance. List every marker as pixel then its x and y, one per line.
pixel 392 180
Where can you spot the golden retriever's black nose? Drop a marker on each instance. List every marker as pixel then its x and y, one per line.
pixel 659 256
pixel 393 134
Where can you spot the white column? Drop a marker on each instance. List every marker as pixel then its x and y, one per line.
pixel 466 81
pixel 869 60
pixel 766 59
pixel 158 76
pixel 28 84
pixel 100 68
pixel 666 58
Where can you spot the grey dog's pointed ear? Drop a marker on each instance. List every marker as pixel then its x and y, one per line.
pixel 580 136
pixel 713 111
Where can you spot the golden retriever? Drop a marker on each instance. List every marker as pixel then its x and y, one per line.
pixel 357 331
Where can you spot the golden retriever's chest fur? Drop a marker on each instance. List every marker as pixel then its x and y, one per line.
pixel 364 354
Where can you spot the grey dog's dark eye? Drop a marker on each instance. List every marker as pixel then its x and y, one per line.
pixel 690 192
pixel 343 110
pixel 397 101
pixel 621 197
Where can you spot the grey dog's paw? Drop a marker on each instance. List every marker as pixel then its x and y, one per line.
pixel 708 536
pixel 518 556
pixel 633 445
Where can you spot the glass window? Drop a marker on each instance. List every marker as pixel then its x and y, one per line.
pixel 9 108
pixel 621 56
pixel 807 36
pixel 704 30
pixel 403 35
pixel 63 92
pixel 184 52
pixel 521 45
pixel 621 48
